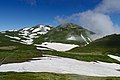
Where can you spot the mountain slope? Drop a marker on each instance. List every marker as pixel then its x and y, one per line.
pixel 68 33
pixel 13 47
pixel 107 44
pixel 27 35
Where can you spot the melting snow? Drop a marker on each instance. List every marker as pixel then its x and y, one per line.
pixel 114 57
pixel 12 30
pixel 26 28
pixel 42 28
pixel 84 39
pixel 39 48
pixel 58 46
pixel 71 38
pixel 38 29
pixel 13 37
pixel 29 41
pixel 41 32
pixel 64 65
pixel 89 39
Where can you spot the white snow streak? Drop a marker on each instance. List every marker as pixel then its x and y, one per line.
pixel 84 39
pixel 114 57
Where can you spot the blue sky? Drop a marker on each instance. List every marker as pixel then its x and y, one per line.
pixel 16 14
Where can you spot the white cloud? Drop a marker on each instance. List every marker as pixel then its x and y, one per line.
pixel 61 20
pixel 107 6
pixel 97 20
pixel 99 23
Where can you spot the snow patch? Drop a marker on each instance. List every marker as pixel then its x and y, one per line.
pixel 71 38
pixel 41 28
pixel 89 39
pixel 64 65
pixel 41 32
pixel 84 39
pixel 28 42
pixel 26 28
pixel 38 29
pixel 58 46
pixel 12 30
pixel 114 57
pixel 13 37
pixel 39 48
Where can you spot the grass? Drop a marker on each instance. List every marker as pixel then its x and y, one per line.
pixel 11 52
pixel 18 55
pixel 49 76
pixel 7 48
pixel 109 44
pixel 82 56
pixel 106 45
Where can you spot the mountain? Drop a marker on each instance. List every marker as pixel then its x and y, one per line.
pixel 12 51
pixel 64 33
pixel 27 43
pixel 107 44
pixel 17 45
pixel 69 32
pixel 27 35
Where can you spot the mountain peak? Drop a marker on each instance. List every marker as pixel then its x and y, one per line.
pixel 70 25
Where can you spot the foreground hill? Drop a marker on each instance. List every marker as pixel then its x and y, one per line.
pixel 107 44
pixel 11 51
pixel 49 76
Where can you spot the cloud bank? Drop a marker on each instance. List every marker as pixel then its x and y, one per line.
pixel 98 19
pixel 108 6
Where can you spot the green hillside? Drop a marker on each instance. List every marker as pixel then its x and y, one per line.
pixel 14 51
pixel 49 76
pixel 107 44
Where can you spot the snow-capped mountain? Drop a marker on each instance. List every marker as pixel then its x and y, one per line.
pixel 68 33
pixel 27 35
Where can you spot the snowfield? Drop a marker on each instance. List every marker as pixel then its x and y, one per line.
pixel 64 65
pixel 58 46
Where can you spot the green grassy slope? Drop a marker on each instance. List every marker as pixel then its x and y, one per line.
pixel 110 44
pixel 49 76
pixel 15 52
pixel 83 56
